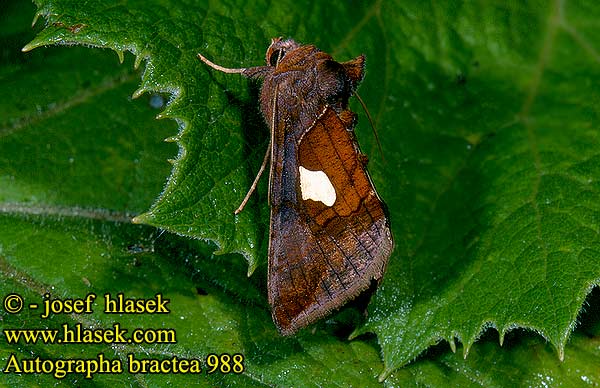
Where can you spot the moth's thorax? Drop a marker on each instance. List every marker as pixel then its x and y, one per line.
pixel 302 82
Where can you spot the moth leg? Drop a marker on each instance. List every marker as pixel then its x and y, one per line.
pixel 255 183
pixel 272 141
pixel 265 160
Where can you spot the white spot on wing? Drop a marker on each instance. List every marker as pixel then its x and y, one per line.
pixel 316 185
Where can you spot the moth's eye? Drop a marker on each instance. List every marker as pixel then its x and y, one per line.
pixel 276 57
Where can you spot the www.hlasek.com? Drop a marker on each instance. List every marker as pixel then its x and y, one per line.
pixel 81 335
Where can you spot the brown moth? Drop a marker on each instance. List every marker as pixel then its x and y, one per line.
pixel 330 237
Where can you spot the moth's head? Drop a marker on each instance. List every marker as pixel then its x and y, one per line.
pixel 278 49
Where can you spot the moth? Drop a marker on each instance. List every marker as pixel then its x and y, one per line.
pixel 330 236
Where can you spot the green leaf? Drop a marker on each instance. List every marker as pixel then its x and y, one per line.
pixel 500 177
pixel 490 135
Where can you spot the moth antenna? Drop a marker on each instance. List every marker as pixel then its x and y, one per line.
pixel 266 158
pixel 255 183
pixel 220 68
pixel 364 106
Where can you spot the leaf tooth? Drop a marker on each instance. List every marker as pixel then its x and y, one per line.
pixel 138 60
pixel 172 161
pixel 452 344
pixel 172 139
pixel 561 352
pixel 121 55
pixel 466 349
pixel 141 90
pixel 164 114
pixel 143 218
pixel 33 44
pixel 35 18
pixel 385 374
pixel 251 267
